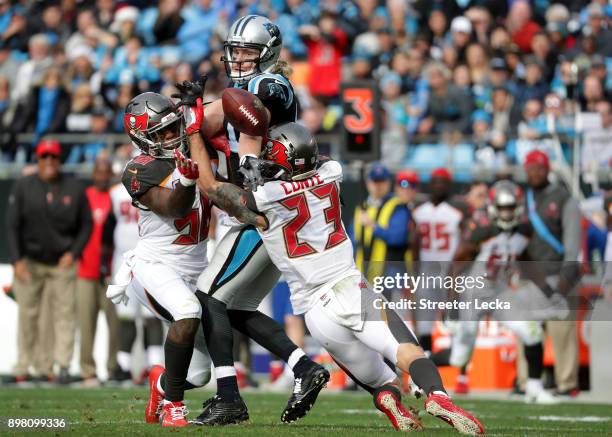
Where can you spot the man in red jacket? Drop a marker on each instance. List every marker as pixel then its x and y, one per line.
pixel 91 288
pixel 326 44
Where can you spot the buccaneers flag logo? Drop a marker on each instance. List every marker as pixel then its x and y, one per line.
pixel 132 123
pixel 278 153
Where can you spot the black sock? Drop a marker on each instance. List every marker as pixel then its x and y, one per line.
pixel 441 358
pixel 425 342
pixel 534 356
pixel 304 364
pixel 127 328
pixel 177 357
pixel 463 370
pixel 263 330
pixel 227 388
pixel 153 332
pixel 217 330
pixel 162 382
pixel 425 374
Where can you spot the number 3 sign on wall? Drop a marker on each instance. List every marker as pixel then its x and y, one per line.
pixel 361 121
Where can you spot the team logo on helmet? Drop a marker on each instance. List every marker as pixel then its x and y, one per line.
pixel 278 153
pixel 134 123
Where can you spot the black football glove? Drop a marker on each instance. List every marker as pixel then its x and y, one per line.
pixel 190 92
pixel 250 167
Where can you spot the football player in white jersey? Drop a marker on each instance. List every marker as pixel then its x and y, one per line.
pixel 439 222
pixel 495 242
pixel 297 213
pixel 120 235
pixel 171 251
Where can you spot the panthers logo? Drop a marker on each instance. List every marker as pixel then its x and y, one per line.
pixel 278 153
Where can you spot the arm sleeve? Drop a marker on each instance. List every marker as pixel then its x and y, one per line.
pixel 13 222
pixel 397 232
pixel 571 230
pixel 85 226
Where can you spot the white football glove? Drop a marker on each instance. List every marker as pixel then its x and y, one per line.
pixel 117 294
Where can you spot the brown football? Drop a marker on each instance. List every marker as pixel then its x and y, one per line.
pixel 244 111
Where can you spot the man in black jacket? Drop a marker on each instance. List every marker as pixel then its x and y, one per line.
pixel 49 223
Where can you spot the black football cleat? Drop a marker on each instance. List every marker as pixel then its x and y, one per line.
pixel 220 412
pixel 306 388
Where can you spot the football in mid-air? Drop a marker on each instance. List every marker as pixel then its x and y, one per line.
pixel 245 111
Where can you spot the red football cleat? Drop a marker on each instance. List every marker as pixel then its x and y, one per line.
pixel 173 414
pixel 402 420
pixel 442 407
pixel 155 396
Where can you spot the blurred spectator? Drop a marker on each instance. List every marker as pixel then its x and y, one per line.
pixel 168 22
pixel 32 70
pixel 47 107
pixel 13 25
pixel 50 23
pixel 406 187
pixel 521 26
pixel 543 52
pixel 557 120
pixel 200 17
pixel 604 108
pixel 599 69
pixel 79 117
pixel 533 123
pixel 124 23
pixel 533 86
pixel 326 44
pixel 48 225
pixel 8 64
pixel 438 25
pixel 501 103
pixel 89 33
pixel 386 219
pixel 5 100
pixel 131 59
pixel 91 285
pixel 461 31
pixel 555 217
pixel 104 13
pixel 395 119
pixel 80 69
pixel 319 121
pixel 597 29
pixel 500 40
pixel 361 65
pixel 592 92
pixel 448 107
pixel 481 20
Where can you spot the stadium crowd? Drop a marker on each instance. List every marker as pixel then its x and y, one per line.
pixel 481 73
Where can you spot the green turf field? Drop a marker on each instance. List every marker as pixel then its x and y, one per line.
pixel 119 412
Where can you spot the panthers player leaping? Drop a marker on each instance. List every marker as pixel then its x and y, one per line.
pixel 495 242
pixel 297 214
pixel 241 273
pixel 171 252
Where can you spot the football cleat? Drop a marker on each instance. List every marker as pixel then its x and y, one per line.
pixel 402 420
pixel 220 412
pixel 173 414
pixel 535 393
pixel 462 387
pixel 306 388
pixel 155 396
pixel 442 407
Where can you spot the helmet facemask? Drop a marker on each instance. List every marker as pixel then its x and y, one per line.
pixel 162 139
pixel 236 69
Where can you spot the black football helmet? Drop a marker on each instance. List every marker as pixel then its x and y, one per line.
pixel 155 125
pixel 505 206
pixel 290 153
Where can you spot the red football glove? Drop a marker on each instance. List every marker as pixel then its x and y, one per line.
pixel 220 143
pixel 188 169
pixel 194 115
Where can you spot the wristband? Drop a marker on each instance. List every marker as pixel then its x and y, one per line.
pixel 186 182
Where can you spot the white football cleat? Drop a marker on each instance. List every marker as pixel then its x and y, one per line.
pixel 535 393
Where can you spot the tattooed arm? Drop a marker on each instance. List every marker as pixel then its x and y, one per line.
pixel 232 199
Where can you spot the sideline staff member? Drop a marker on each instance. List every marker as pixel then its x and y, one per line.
pixel 49 223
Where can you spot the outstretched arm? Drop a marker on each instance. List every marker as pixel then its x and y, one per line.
pixel 232 199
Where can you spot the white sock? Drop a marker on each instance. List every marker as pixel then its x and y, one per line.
pixel 124 359
pixel 287 372
pixel 155 355
pixel 295 357
pixel 159 387
pixel 534 385
pixel 224 371
pixel 438 392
